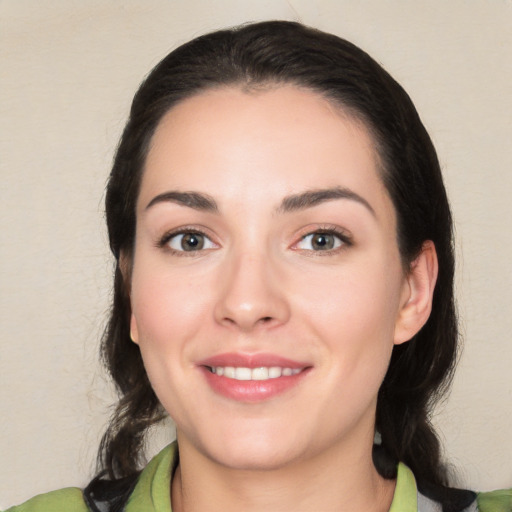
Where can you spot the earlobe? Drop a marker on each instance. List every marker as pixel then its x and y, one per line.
pixel 418 293
pixel 125 264
pixel 134 331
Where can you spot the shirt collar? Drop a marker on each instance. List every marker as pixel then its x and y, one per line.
pixel 406 493
pixel 152 492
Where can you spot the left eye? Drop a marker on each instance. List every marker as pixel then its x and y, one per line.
pixel 189 242
pixel 320 242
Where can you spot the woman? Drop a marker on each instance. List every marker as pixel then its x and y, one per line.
pixel 283 289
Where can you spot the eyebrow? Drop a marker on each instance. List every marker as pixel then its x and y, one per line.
pixel 194 200
pixel 312 198
pixel 295 202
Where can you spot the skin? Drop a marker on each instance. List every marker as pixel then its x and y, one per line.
pixel 260 286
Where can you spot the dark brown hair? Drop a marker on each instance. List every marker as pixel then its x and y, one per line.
pixel 273 53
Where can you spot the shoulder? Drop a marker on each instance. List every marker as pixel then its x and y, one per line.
pixel 63 500
pixel 495 501
pixel 430 499
pixel 151 491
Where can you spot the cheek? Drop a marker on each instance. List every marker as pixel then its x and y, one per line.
pixel 354 315
pixel 363 298
pixel 167 309
pixel 169 313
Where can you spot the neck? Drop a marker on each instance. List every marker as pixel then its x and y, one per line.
pixel 330 481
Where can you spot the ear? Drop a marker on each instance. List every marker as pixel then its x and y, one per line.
pixel 134 330
pixel 418 290
pixel 125 266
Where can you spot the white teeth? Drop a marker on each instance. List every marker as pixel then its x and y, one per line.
pixel 243 374
pixel 261 373
pixel 229 372
pixel 274 372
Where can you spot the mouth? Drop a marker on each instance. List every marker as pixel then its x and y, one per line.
pixel 252 378
pixel 261 373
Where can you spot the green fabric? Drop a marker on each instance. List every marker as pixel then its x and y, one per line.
pixel 495 501
pixel 64 500
pixel 152 492
pixel 406 495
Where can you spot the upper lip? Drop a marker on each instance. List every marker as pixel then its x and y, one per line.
pixel 241 360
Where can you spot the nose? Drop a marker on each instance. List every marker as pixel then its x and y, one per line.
pixel 251 295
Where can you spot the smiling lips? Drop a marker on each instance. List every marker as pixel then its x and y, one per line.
pixel 252 378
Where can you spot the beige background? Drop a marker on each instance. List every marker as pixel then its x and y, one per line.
pixel 67 73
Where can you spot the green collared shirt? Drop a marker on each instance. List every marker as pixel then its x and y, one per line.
pixel 152 493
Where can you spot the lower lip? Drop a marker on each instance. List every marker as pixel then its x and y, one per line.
pixel 252 391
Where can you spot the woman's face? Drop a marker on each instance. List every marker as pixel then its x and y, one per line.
pixel 267 286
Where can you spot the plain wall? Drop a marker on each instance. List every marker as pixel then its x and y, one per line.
pixel 67 74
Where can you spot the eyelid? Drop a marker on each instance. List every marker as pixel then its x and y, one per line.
pixel 163 241
pixel 343 235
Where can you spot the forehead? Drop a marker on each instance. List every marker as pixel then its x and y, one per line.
pixel 233 143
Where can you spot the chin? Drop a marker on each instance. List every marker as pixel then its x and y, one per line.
pixel 256 457
pixel 249 446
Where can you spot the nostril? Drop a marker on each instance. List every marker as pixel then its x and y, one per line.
pixel 266 319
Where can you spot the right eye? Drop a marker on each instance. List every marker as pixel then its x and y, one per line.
pixel 189 241
pixel 320 241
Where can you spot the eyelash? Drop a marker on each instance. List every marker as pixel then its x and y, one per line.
pixel 344 237
pixel 163 242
